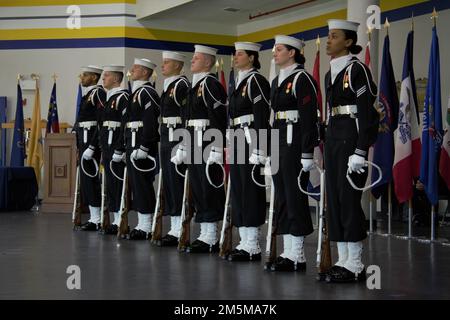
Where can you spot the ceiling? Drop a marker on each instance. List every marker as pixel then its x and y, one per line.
pixel 209 15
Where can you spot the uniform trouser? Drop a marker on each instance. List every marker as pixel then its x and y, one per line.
pixel 113 185
pixel 90 187
pixel 292 213
pixel 209 201
pixel 346 219
pixel 173 183
pixel 144 199
pixel 292 208
pixel 248 201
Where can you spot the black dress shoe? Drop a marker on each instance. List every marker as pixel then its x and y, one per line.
pixel 287 265
pixel 345 276
pixel 199 246
pixel 169 241
pixel 136 234
pixel 242 255
pixel 90 226
pixel 111 229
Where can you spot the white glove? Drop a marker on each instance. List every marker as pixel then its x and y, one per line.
pixel 267 169
pixel 179 156
pixel 215 156
pixel 356 164
pixel 118 156
pixel 307 164
pixel 88 153
pixel 139 154
pixel 257 157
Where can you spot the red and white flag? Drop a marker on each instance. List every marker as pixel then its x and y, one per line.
pixel 407 135
pixel 444 161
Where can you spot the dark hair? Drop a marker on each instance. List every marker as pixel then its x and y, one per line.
pixel 255 54
pixel 96 75
pixel 354 48
pixel 119 76
pixel 299 58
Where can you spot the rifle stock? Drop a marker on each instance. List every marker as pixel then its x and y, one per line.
pixel 324 255
pixel 104 211
pixel 226 239
pixel 157 224
pixel 76 211
pixel 186 215
pixel 271 248
pixel 124 206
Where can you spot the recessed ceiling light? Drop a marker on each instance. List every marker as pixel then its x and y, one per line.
pixel 230 9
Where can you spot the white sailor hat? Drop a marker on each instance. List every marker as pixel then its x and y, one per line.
pixel 91 68
pixel 145 62
pixel 204 49
pixel 172 55
pixel 343 25
pixel 291 41
pixel 114 68
pixel 250 46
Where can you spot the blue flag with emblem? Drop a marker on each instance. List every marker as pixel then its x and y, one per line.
pixel 79 97
pixel 52 117
pixel 388 104
pixel 432 132
pixel 18 144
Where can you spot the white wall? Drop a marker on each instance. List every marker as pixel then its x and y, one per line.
pixel 65 63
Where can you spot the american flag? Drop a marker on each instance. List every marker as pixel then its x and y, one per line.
pixel 52 118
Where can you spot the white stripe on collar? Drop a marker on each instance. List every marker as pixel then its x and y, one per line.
pixel 197 77
pixel 111 92
pixel 286 72
pixel 168 81
pixel 339 64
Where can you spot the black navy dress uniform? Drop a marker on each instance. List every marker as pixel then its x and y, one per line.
pixel 141 121
pixel 110 140
pixel 294 98
pixel 87 130
pixel 249 101
pixel 349 131
pixel 173 112
pixel 206 105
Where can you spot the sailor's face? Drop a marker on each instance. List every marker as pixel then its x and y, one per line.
pixel 87 79
pixel 169 67
pixel 336 43
pixel 108 79
pixel 138 72
pixel 242 60
pixel 198 62
pixel 282 55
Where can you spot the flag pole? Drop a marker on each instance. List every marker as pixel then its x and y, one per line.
pixel 410 211
pixel 370 212
pixel 389 209
pixel 386 26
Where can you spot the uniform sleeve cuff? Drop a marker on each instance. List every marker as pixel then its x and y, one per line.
pixel 143 148
pixel 91 147
pixel 307 155
pixel 118 152
pixel 361 153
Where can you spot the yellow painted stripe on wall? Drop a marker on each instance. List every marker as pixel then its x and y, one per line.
pixel 387 5
pixel 115 32
pixel 31 3
pixel 294 27
pixel 62 33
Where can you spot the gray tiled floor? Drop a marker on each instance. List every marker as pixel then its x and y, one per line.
pixel 35 251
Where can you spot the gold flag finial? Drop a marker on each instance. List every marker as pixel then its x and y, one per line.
pixel 128 75
pixel 54 76
pixel 154 75
pixel 232 61
pixel 369 33
pixel 387 25
pixel 221 63
pixel 303 48
pixel 19 77
pixel 318 42
pixel 434 16
pixel 217 65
